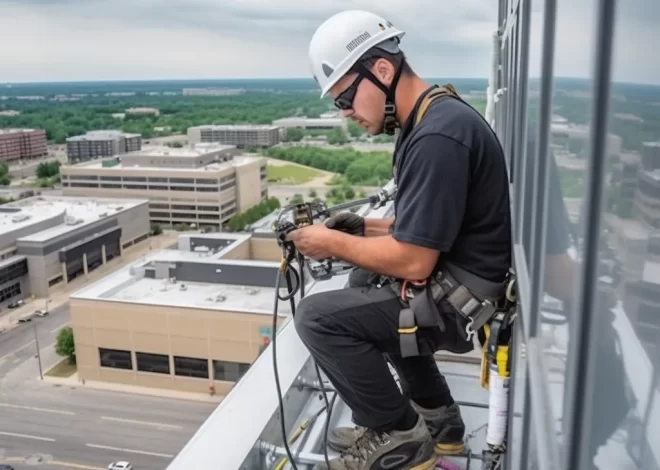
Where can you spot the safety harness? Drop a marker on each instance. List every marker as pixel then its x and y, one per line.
pixel 473 298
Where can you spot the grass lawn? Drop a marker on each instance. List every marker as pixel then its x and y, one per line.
pixel 290 174
pixel 62 369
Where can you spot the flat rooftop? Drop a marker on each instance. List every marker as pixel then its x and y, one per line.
pixel 651 272
pixel 16 131
pixel 130 285
pixel 39 208
pixel 100 135
pixel 236 127
pixel 97 165
pixel 197 151
pixel 201 295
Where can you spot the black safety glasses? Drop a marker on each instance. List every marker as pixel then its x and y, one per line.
pixel 345 99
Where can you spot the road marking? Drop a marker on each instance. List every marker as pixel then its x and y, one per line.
pixel 148 423
pixel 27 436
pixel 58 328
pixel 17 350
pixel 74 465
pixel 33 408
pixel 133 451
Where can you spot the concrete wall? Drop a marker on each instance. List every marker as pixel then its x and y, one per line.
pixel 247 180
pixel 224 273
pixel 265 249
pixel 8 239
pixel 204 334
pixel 134 222
pixel 241 250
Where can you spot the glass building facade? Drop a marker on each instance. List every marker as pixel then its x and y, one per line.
pixel 587 342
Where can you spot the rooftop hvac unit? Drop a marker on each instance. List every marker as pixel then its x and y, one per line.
pixel 183 287
pixel 220 298
pixel 70 220
pixel 20 217
pixel 118 208
pixel 102 214
pixel 252 291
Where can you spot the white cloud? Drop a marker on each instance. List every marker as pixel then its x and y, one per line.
pixel 142 39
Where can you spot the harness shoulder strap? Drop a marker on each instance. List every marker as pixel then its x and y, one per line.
pixel 445 90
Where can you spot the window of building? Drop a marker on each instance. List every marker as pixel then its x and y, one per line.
pixel 148 362
pixel 229 371
pixel 10 291
pixel 191 367
pixel 116 358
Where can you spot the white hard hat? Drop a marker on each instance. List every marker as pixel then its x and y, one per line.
pixel 343 38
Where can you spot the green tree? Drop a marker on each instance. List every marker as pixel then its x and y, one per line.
pixel 156 229
pixel 65 345
pixel 312 193
pixel 296 199
pixel 48 169
pixel 337 137
pixel 238 222
pixel 293 134
pixel 349 192
pixel 354 130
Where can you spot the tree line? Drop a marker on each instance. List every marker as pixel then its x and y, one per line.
pixel 356 168
pixel 177 113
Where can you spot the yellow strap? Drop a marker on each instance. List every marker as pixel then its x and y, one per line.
pixel 445 90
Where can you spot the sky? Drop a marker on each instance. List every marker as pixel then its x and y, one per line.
pixel 71 40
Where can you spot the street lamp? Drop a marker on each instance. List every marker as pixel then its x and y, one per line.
pixel 36 340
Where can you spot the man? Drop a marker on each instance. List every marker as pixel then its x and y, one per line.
pixel 452 205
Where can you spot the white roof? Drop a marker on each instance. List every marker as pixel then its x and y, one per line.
pixel 199 150
pixel 130 285
pixel 97 165
pixel 40 208
pixel 236 127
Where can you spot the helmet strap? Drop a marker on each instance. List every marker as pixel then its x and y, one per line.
pixel 390 123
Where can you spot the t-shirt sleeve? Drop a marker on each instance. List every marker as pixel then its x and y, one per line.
pixel 432 192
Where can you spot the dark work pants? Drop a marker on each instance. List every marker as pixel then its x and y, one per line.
pixel 348 331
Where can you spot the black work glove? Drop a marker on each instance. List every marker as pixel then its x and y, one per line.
pixel 347 222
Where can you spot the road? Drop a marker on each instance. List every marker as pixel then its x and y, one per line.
pixel 60 427
pixel 18 344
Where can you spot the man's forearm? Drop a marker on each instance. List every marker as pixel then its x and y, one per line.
pixel 383 255
pixel 377 227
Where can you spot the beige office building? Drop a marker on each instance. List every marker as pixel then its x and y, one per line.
pixel 192 318
pixel 241 136
pixel 205 184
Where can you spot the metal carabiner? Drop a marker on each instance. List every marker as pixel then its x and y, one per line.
pixel 469 331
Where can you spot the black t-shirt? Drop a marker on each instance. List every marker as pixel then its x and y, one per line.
pixel 453 189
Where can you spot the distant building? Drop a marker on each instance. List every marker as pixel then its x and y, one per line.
pixel 242 136
pixel 151 111
pixel 10 113
pixel 327 123
pixel 647 198
pixel 99 144
pixel 204 185
pixel 213 91
pixel 191 319
pixel 48 241
pixel 22 144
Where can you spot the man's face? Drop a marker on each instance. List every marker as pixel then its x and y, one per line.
pixel 361 100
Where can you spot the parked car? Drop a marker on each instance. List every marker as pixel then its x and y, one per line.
pixel 122 465
pixel 41 313
pixel 16 304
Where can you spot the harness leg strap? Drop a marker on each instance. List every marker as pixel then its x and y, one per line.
pixel 408 333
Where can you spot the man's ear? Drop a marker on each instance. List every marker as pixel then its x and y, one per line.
pixel 384 71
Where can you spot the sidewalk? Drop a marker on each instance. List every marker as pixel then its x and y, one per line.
pixel 74 381
pixel 60 296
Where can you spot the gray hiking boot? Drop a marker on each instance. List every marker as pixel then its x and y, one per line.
pixel 445 425
pixel 403 450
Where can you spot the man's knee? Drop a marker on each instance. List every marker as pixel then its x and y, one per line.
pixel 309 312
